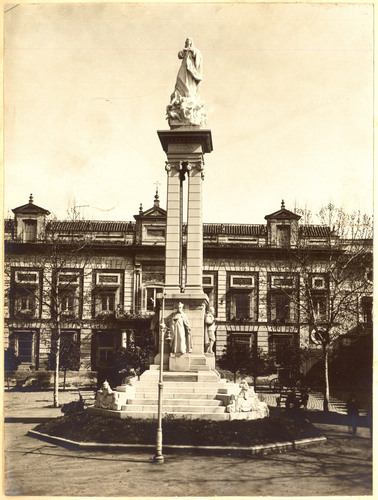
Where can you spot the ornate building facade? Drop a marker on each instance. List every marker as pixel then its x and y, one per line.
pixel 111 274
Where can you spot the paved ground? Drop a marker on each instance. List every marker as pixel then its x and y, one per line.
pixel 315 402
pixel 38 404
pixel 35 405
pixel 342 466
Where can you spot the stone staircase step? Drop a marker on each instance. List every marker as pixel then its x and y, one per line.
pixel 184 393
pixel 175 408
pixel 178 378
pixel 199 367
pixel 174 401
pixel 187 415
pixel 183 375
pixel 176 383
pixel 176 395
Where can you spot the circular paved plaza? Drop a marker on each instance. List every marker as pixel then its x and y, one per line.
pixel 342 466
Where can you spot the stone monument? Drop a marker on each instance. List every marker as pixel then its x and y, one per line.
pixel 185 145
pixel 192 386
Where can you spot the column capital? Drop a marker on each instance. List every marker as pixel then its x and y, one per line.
pixel 173 165
pixel 195 164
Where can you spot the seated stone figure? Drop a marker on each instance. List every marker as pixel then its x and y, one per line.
pixel 243 402
pixel 246 400
pixel 231 407
pixel 105 396
pixel 244 389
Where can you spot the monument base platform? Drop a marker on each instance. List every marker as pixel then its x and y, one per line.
pixel 191 362
pixel 192 395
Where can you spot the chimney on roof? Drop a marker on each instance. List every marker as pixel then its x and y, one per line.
pixel 282 204
pixel 31 198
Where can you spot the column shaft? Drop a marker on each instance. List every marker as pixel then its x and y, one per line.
pixel 194 255
pixel 173 231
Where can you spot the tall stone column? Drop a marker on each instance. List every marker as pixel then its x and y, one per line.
pixel 173 244
pixel 194 246
pixel 185 148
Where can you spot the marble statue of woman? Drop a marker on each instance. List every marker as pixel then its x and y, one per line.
pixel 186 107
pixel 190 72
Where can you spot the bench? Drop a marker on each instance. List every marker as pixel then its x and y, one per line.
pixel 284 393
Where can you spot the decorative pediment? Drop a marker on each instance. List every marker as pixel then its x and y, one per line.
pixel 153 212
pixel 283 213
pixel 30 209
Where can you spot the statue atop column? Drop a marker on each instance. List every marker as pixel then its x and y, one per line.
pixel 186 107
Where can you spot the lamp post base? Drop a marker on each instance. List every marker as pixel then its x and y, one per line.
pixel 158 459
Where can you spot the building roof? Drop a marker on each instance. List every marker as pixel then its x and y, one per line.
pixel 311 231
pixel 30 208
pixel 237 229
pixel 90 226
pixel 256 230
pixel 283 213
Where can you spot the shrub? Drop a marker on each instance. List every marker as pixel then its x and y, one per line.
pixel 85 427
pixel 40 380
pixel 73 407
pixel 11 360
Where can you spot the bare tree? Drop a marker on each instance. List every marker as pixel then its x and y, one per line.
pixel 333 276
pixel 55 296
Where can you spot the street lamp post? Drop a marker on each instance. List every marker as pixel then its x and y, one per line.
pixel 159 458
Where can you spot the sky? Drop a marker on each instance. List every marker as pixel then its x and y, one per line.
pixel 288 90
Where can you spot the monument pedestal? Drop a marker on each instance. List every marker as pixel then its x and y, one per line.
pixel 179 362
pixel 195 302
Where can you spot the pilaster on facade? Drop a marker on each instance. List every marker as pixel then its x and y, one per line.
pixel 263 295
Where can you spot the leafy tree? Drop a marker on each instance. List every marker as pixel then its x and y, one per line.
pixel 237 358
pixel 11 362
pixel 289 357
pixel 69 357
pixel 135 358
pixel 352 365
pixel 262 364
